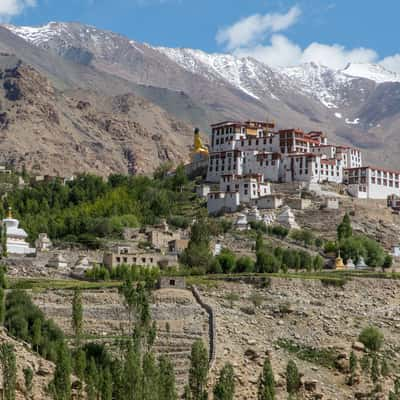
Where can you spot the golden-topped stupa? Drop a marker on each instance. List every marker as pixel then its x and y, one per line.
pixel 200 152
pixel 339 264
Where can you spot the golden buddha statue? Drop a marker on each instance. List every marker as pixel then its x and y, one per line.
pixel 199 148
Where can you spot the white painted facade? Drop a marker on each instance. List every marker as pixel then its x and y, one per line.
pixel 236 190
pixel 372 183
pixel 283 156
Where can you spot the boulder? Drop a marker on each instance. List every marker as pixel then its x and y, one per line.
pixel 358 346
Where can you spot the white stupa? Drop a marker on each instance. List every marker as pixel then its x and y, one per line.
pixel 241 223
pixel 16 237
pixel 287 218
pixel 361 264
pixel 82 265
pixel 350 264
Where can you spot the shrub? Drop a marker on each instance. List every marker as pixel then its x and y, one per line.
pixel 372 338
pixel 244 264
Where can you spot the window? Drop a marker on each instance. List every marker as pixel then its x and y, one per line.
pixel 172 282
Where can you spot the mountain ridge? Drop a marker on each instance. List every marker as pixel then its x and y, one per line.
pixel 203 88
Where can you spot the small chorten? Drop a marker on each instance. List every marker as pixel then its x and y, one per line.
pixel 15 236
pixel 350 264
pixel 361 264
pixel 339 265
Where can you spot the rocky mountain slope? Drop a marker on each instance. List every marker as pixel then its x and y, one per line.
pixel 53 132
pixel 358 105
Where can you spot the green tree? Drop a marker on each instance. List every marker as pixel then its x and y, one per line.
pixel 8 362
pixel 77 316
pixel 293 383
pixel 198 370
pixel 375 372
pixel 166 384
pixel 372 338
pixel 80 364
pixel 37 334
pixel 28 378
pixel 344 229
pixel 244 264
pixel 388 262
pixel 128 292
pixel 225 386
pixel 227 261
pixel 385 370
pixel 106 385
pixel 259 242
pixel 4 250
pixel 2 306
pixel 353 367
pixel 149 377
pixel 365 363
pixel 318 263
pixel 198 254
pixel 91 380
pixel 266 385
pixel 62 374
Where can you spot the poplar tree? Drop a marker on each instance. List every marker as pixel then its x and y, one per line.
pixel 292 378
pixel 344 229
pixel 375 373
pixel 353 366
pixel 166 383
pixel 266 386
pixel 62 374
pixel 225 386
pixel 7 355
pixel 28 377
pixel 106 385
pixel 37 334
pixel 77 315
pixel 2 306
pixel 4 251
pixel 91 380
pixel 149 377
pixel 198 370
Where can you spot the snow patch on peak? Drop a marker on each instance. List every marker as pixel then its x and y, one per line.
pixel 215 66
pixel 318 81
pixel 373 72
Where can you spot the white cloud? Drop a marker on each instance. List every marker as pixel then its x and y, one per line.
pixel 249 30
pixel 11 8
pixel 336 56
pixel 256 36
pixel 280 52
pixel 392 63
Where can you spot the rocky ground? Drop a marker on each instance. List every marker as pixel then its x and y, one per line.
pixel 180 320
pixel 310 315
pixel 42 370
pixel 321 320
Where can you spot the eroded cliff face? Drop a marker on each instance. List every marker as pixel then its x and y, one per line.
pixel 53 132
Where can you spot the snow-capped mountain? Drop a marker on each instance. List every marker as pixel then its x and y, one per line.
pixel 373 72
pixel 256 79
pixel 202 88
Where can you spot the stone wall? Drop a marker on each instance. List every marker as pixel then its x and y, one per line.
pixel 212 326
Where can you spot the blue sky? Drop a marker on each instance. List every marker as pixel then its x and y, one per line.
pixel 352 24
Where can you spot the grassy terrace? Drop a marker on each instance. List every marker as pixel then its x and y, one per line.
pixel 334 278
